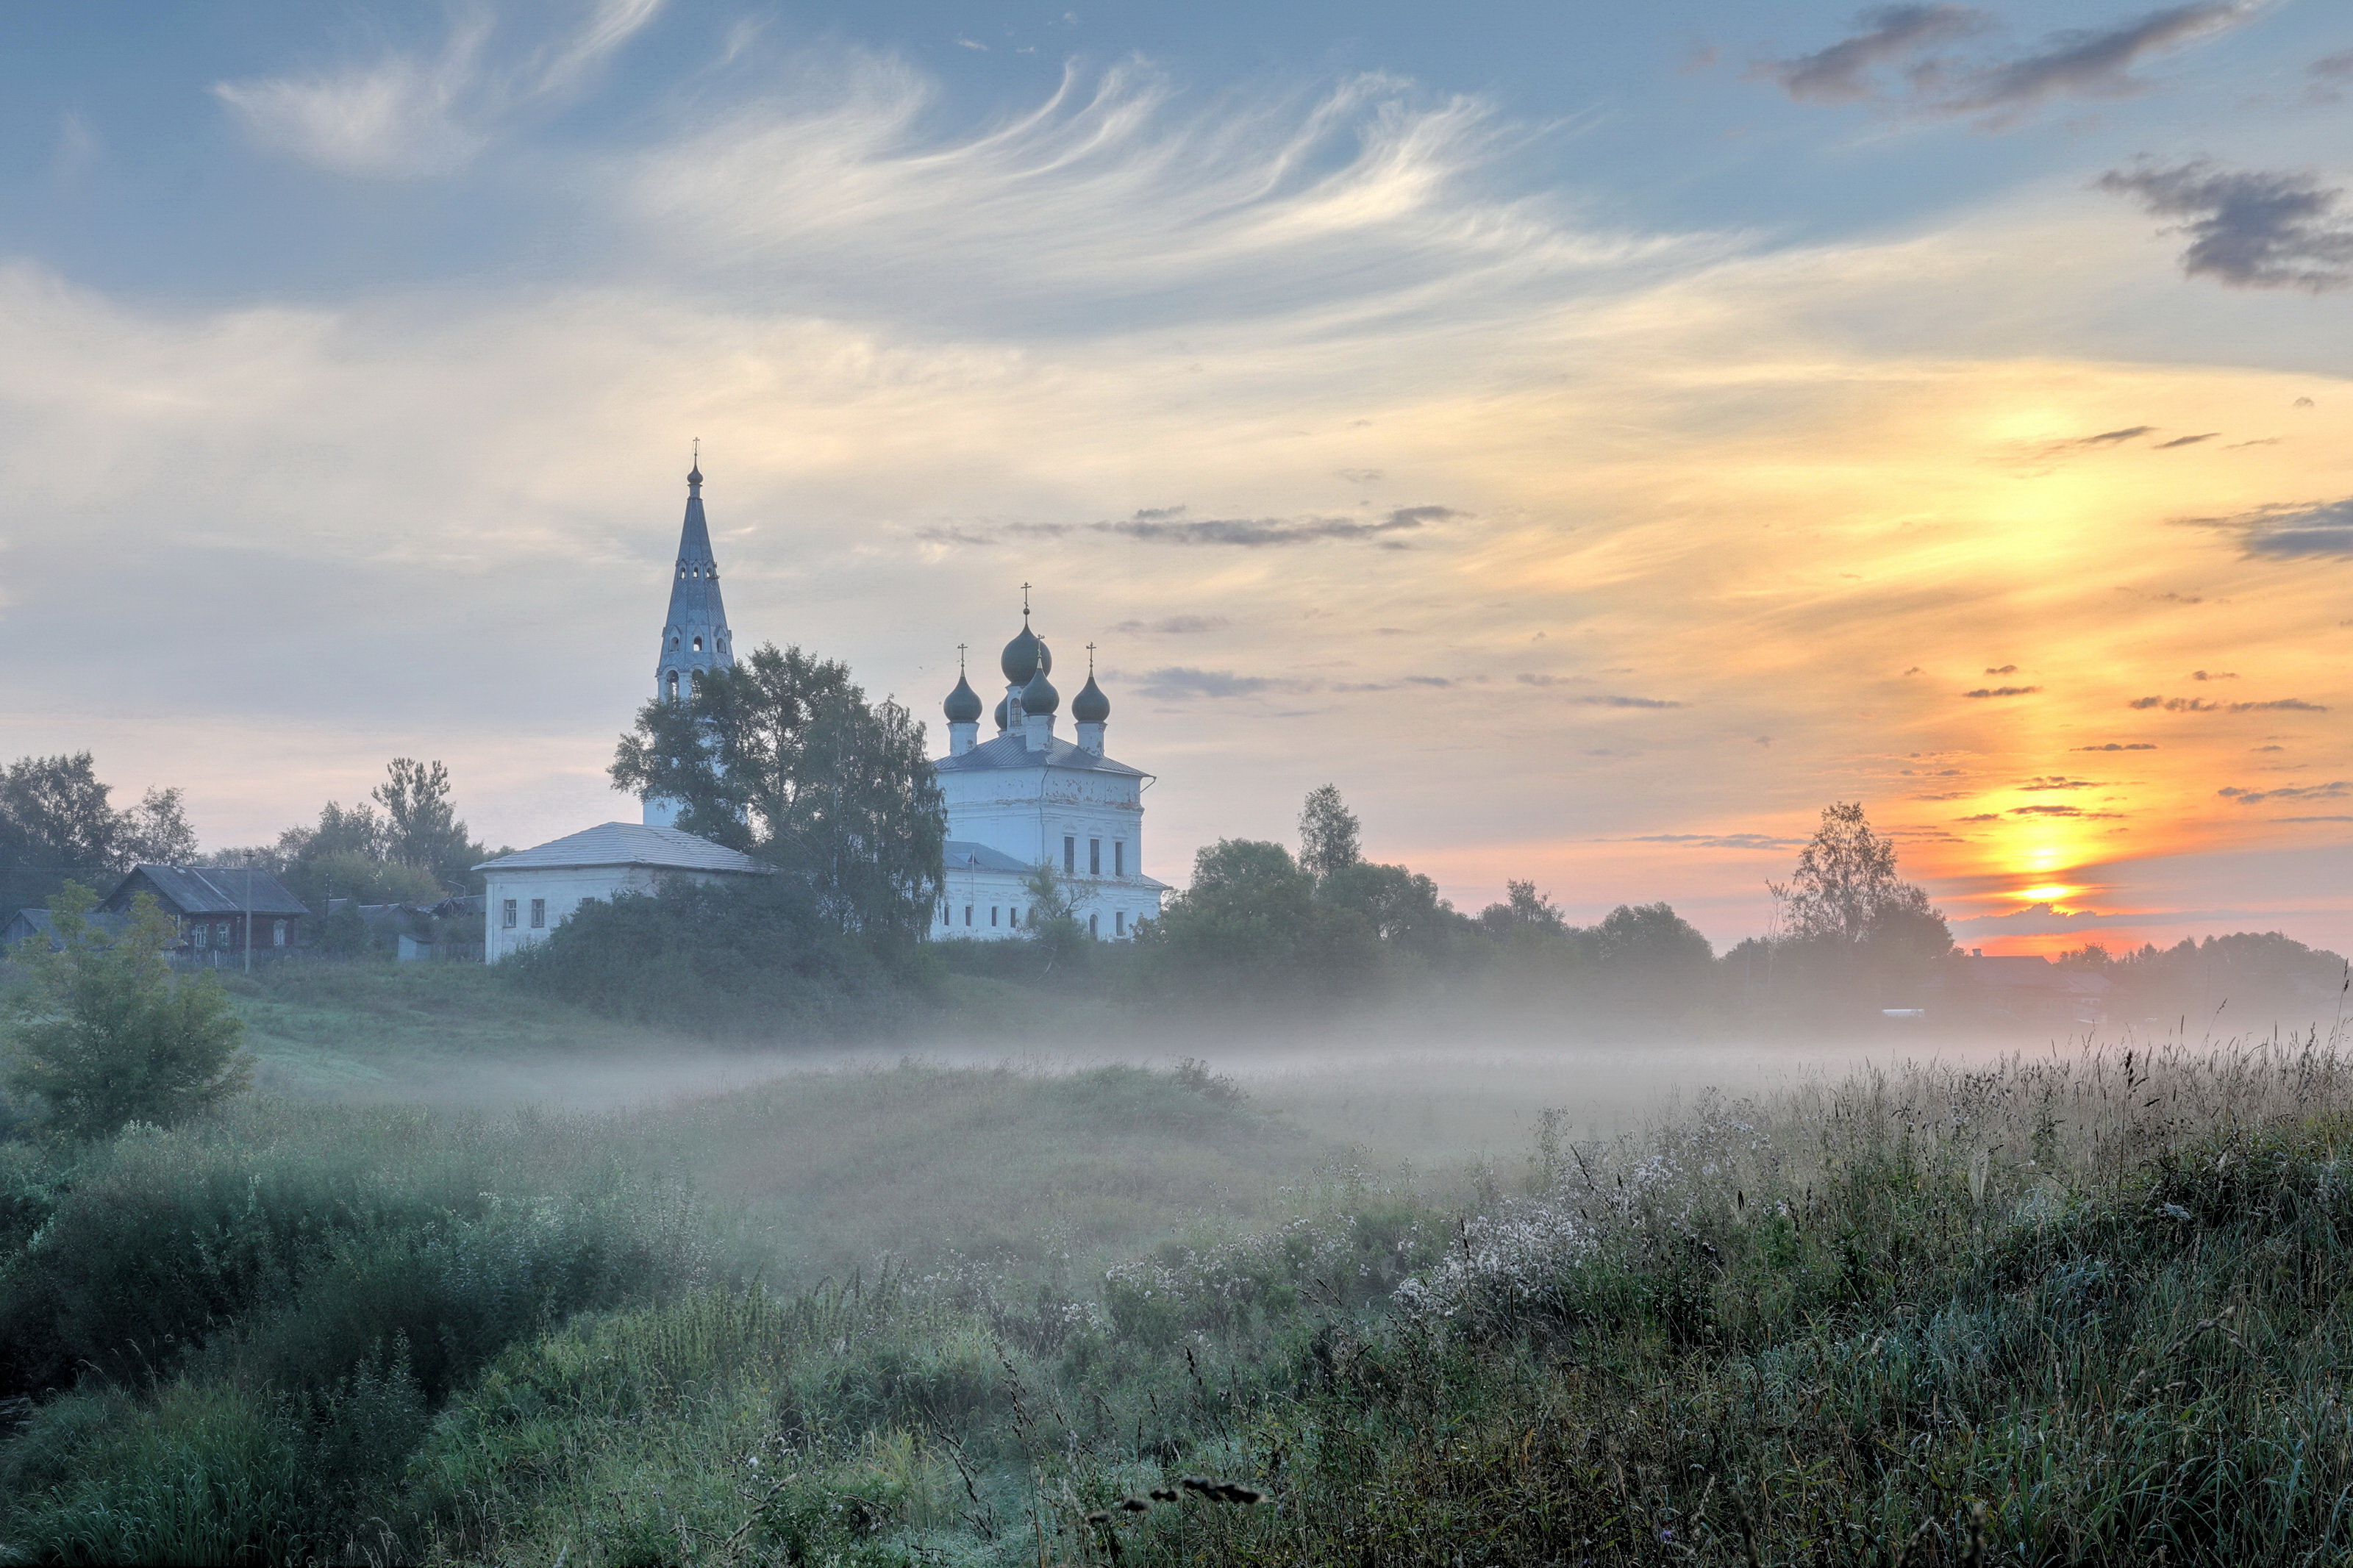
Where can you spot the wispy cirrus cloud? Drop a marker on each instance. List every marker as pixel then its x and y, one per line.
pixel 1918 60
pixel 2293 530
pixel 2336 789
pixel 1166 526
pixel 2248 228
pixel 411 115
pixel 2201 705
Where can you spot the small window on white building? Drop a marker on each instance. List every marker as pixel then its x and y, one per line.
pixel 539 914
pixel 1094 922
pixel 698 645
pixel 1119 922
pixel 1013 915
pixel 1070 855
pixel 967 914
pixel 507 914
pixel 1119 857
pixel 992 914
pixel 673 679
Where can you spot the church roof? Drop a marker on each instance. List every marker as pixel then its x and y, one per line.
pixel 1012 751
pixel 963 854
pixel 694 600
pixel 629 844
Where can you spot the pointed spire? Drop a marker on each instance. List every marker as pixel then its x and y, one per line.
pixel 694 474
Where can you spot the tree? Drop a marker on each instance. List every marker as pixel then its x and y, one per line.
pixel 1525 909
pixel 420 826
pixel 106 1035
pixel 1251 929
pixel 1053 919
pixel 1402 907
pixel 1328 833
pixel 1845 888
pixel 56 822
pixel 1651 941
pixel 783 757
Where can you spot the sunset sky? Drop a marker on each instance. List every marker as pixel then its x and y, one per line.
pixel 1595 437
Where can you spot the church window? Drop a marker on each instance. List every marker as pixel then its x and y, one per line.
pixel 967 914
pixel 1119 857
pixel 1119 922
pixel 1094 922
pixel 1094 857
pixel 506 915
pixel 673 686
pixel 992 914
pixel 1070 855
pixel 1013 915
pixel 698 645
pixel 539 914
pixel 673 641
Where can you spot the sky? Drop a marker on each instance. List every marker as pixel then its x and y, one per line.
pixel 1595 437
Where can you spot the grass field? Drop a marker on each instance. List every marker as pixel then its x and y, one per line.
pixel 1336 1308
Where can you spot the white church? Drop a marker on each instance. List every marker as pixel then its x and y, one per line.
pixel 1023 801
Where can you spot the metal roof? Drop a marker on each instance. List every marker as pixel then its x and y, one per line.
pixel 1011 750
pixel 629 844
pixel 208 890
pixel 963 854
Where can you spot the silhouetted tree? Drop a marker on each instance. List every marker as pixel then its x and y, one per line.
pixel 420 825
pixel 56 822
pixel 1328 833
pixel 1251 930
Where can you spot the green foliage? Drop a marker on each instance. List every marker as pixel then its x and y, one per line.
pixel 421 829
pixel 782 756
pixel 104 1035
pixel 754 958
pixel 414 851
pixel 1328 833
pixel 55 824
pixel 1249 931
pixel 1845 889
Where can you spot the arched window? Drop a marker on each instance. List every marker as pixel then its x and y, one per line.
pixel 1093 924
pixel 698 645
pixel 673 641
pixel 673 685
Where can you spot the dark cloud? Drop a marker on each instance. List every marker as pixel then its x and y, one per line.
pixel 2003 691
pixel 2199 705
pixel 952 536
pixel 2057 781
pixel 2213 675
pixel 1172 625
pixel 2336 790
pixel 2248 228
pixel 2109 437
pixel 2061 811
pixel 1842 73
pixel 2186 440
pixel 1981 816
pixel 2284 704
pixel 2293 531
pixel 2330 75
pixel 1181 683
pixel 2118 746
pixel 1903 56
pixel 1167 525
pixel 2005 670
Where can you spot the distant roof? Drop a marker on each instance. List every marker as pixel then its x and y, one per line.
pixel 963 854
pixel 1011 750
pixel 629 844
pixel 208 890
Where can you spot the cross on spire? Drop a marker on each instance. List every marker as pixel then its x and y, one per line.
pixel 1090 661
pixel 960 658
pixel 1024 601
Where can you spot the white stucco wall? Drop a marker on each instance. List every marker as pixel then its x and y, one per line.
pixel 564 888
pixel 982 905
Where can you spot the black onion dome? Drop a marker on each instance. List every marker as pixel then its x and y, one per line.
pixel 1090 705
pixel 1022 655
pixel 1039 697
pixel 963 706
pixel 1000 713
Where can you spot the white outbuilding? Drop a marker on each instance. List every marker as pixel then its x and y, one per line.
pixel 531 892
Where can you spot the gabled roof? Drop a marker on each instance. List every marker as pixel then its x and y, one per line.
pixel 206 891
pixel 629 844
pixel 1011 750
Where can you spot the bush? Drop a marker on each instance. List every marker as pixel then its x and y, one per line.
pixel 752 960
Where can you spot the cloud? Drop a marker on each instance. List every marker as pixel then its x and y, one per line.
pixel 1172 625
pixel 2003 691
pixel 2213 675
pixel 2061 782
pixel 1624 703
pixel 2295 531
pixel 2005 670
pixel 2075 811
pixel 409 116
pixel 952 535
pixel 2248 228
pixel 2108 437
pixel 2186 440
pixel 1719 840
pixel 1181 683
pixel 1162 525
pixel 2335 790
pixel 2118 746
pixel 1903 58
pixel 2043 920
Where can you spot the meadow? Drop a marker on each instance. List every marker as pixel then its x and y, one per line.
pixel 2071 1306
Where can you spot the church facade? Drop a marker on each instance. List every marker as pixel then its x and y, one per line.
pixel 1026 799
pixel 1023 799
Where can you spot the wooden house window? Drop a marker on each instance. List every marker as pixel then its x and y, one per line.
pixel 539 914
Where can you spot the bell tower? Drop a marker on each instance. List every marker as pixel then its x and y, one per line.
pixel 695 636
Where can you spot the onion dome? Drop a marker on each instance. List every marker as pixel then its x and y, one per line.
pixel 963 706
pixel 1001 718
pixel 1023 656
pixel 1090 705
pixel 1039 697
